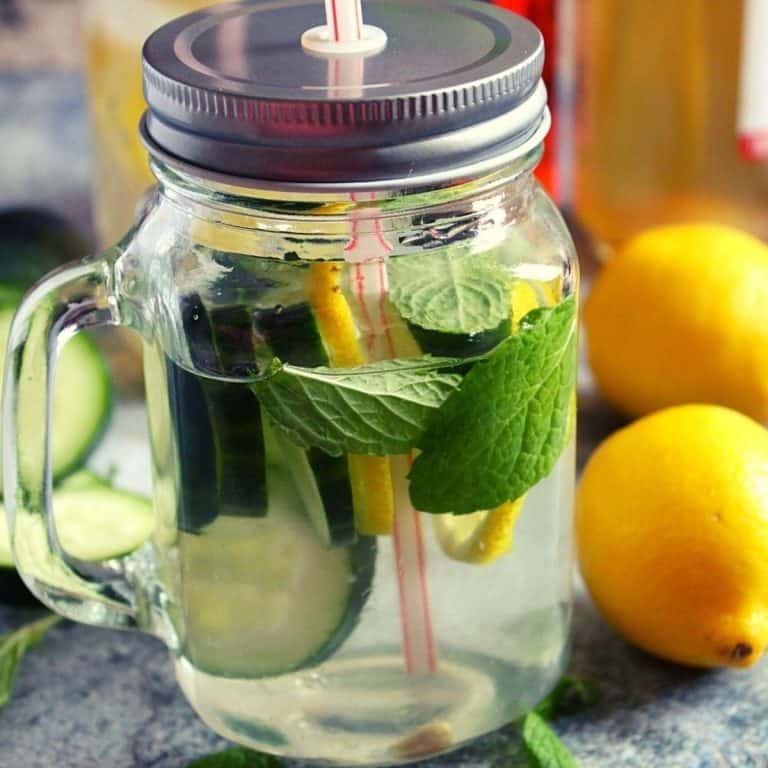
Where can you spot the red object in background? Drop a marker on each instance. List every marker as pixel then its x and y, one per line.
pixel 542 14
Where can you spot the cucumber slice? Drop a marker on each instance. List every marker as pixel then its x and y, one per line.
pixel 322 484
pixel 82 479
pixel 443 344
pixel 82 399
pixel 322 481
pixel 236 426
pixel 217 424
pixel 292 335
pixel 94 521
pixel 264 596
pixel 197 501
pixel 94 524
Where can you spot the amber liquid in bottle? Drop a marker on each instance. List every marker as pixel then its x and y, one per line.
pixel 657 125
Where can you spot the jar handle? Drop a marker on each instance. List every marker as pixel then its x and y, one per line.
pixel 69 300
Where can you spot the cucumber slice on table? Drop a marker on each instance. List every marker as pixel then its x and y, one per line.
pixel 265 596
pixel 81 401
pixel 94 522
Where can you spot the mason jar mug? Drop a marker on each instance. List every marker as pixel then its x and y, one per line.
pixel 360 377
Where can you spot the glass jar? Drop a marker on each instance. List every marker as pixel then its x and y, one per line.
pixel 671 116
pixel 361 407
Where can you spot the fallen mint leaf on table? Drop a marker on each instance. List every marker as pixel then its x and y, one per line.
pixel 504 428
pixel 13 648
pixel 237 757
pixel 452 290
pixel 376 409
pixel 569 696
pixel 542 746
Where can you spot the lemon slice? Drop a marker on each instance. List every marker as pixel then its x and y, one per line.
pixel 479 537
pixel 370 476
pixel 526 295
pixel 524 298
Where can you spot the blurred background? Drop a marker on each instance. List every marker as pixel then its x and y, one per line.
pixel 658 117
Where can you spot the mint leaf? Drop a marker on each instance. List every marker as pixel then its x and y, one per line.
pixel 377 409
pixel 451 290
pixel 238 757
pixel 569 696
pixel 542 746
pixel 13 648
pixel 503 430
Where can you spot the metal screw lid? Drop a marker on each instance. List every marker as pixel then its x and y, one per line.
pixel 456 92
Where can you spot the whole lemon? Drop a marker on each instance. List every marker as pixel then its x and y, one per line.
pixel 672 535
pixel 680 315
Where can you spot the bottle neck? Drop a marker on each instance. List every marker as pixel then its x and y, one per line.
pixel 293 222
pixel 239 197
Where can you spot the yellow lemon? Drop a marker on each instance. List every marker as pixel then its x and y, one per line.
pixel 680 315
pixel 672 535
pixel 479 537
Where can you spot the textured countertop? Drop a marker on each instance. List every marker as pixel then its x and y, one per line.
pixel 91 698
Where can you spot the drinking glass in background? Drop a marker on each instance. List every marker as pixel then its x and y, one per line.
pixel 115 31
pixel 672 116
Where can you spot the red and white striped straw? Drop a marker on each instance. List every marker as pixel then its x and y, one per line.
pixel 367 252
pixel 345 20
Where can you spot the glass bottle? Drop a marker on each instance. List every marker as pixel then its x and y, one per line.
pixel 670 96
pixel 114 32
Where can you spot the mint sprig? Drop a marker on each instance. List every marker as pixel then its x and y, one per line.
pixel 13 648
pixel 237 757
pixel 503 430
pixel 452 290
pixel 569 696
pixel 542 746
pixel 379 409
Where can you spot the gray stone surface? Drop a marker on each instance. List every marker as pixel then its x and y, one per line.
pixel 91 698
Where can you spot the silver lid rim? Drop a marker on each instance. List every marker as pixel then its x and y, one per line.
pixel 434 179
pixel 527 126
